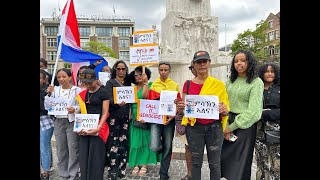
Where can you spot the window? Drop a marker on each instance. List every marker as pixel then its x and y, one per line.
pixel 50 69
pixel 84 42
pixel 84 31
pixel 270 24
pixel 124 31
pixel 124 55
pixel 271 50
pixel 124 43
pixel 51 30
pixel 52 42
pixel 271 35
pixel 51 55
pixel 106 41
pixel 277 34
pixel 104 31
pixel 277 49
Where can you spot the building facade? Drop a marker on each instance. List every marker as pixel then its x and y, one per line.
pixel 114 33
pixel 272 51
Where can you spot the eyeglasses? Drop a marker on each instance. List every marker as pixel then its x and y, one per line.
pixel 200 61
pixel 136 75
pixel 86 76
pixel 190 68
pixel 121 69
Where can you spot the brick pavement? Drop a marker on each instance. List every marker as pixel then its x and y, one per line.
pixel 177 168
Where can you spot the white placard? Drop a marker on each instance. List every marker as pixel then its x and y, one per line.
pixel 143 37
pixel 148 110
pixel 104 77
pixel 57 105
pixel 125 93
pixel 144 55
pixel 85 122
pixel 167 105
pixel 202 106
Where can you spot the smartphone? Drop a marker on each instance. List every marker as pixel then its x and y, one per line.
pixel 233 138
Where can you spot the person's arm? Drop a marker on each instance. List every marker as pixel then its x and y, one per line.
pixel 94 65
pixel 253 113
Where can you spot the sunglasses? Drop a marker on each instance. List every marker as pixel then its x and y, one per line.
pixel 136 75
pixel 190 68
pixel 200 61
pixel 86 76
pixel 121 69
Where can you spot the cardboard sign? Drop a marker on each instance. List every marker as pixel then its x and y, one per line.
pixel 104 77
pixel 127 94
pixel 148 110
pixel 202 106
pixel 85 122
pixel 143 37
pixel 144 55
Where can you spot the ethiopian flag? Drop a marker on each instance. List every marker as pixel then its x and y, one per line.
pixel 158 85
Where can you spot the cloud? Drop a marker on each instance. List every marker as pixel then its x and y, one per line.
pixel 237 15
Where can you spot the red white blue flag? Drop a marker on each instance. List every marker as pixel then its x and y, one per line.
pixel 69 49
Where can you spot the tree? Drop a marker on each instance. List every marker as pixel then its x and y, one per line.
pixel 255 41
pixel 100 48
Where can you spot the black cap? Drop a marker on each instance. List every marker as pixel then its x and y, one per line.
pixel 88 76
pixel 201 55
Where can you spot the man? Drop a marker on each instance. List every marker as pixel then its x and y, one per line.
pixel 162 134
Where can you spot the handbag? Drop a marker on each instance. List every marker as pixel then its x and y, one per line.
pixel 181 129
pixel 140 124
pixel 272 136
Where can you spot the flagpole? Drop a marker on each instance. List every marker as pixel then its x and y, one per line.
pixel 60 42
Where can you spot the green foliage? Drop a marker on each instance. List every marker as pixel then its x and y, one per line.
pixel 254 41
pixel 100 48
pixel 67 65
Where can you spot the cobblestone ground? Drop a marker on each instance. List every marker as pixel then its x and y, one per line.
pixel 177 168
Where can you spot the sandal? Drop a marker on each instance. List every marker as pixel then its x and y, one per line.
pixel 186 178
pixel 143 171
pixel 135 170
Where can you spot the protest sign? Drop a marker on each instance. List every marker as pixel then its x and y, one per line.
pixel 125 93
pixel 148 110
pixel 202 106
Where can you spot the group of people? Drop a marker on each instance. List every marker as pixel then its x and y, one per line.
pixel 248 99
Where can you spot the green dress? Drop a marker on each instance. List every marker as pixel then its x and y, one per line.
pixel 139 139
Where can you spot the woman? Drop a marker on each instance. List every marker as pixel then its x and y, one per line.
pixel 139 153
pixel 92 150
pixel 245 96
pixel 117 147
pixel 205 132
pixel 46 130
pixel 268 152
pixel 67 140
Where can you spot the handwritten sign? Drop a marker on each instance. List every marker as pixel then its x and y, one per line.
pixel 85 122
pixel 104 77
pixel 143 37
pixel 144 55
pixel 202 106
pixel 148 110
pixel 126 93
pixel 57 105
pixel 167 105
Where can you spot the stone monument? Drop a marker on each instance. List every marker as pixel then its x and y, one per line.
pixel 187 28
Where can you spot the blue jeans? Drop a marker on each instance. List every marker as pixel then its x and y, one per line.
pixel 211 136
pixel 45 151
pixel 163 145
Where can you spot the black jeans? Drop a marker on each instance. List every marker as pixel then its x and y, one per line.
pixel 211 136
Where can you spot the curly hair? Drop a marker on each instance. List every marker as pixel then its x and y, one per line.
pixel 252 63
pixel 263 69
pixel 114 69
pixel 139 69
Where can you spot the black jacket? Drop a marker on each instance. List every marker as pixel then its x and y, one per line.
pixel 271 100
pixel 43 93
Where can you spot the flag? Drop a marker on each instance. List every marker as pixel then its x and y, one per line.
pixel 70 50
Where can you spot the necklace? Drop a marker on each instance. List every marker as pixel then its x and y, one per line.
pixel 89 96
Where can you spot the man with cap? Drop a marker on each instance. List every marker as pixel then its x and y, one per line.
pixel 203 132
pixel 93 100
